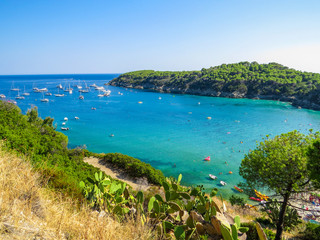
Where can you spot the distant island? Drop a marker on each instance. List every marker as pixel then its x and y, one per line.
pixel 270 81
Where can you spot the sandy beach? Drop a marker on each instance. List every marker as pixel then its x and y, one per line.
pixel 136 184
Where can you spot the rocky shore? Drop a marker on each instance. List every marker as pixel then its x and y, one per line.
pixel 309 101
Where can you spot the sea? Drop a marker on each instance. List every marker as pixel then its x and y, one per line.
pixel 172 132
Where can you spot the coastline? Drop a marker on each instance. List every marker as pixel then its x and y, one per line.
pixel 295 101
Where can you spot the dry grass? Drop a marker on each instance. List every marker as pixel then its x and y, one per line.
pixel 28 211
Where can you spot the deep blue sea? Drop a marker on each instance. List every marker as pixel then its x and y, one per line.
pixel 165 130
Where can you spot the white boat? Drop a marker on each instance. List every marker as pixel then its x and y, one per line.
pixel 93 85
pixel 19 97
pixel 223 183
pixel 64 128
pixel 83 91
pixel 63 123
pixel 76 118
pixel 44 100
pixel 13 88
pixel 25 93
pixel 99 88
pixel 2 96
pixel 59 86
pixel 107 93
pixel 100 95
pixel 66 119
pixel 43 89
pixel 59 95
pixel 213 176
pixel 48 94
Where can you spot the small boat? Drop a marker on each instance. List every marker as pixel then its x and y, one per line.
pixel 65 119
pixel 81 97
pixel 213 176
pixel 44 100
pixel 20 97
pixel 59 86
pixel 93 85
pixel 207 158
pixel 63 123
pixel 107 93
pixel 76 118
pixel 48 94
pixel 223 183
pixel 93 108
pixel 160 98
pixel 100 95
pixel 43 89
pixel 230 172
pixel 255 199
pixel 238 189
pixel 209 118
pixel 111 135
pixel 59 95
pixel 25 94
pixel 2 96
pixel 64 128
pixel 140 102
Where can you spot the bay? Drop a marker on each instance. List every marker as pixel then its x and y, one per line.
pixel 172 132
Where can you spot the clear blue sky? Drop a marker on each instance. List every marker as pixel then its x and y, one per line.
pixel 82 36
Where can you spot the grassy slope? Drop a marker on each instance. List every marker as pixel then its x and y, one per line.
pixel 29 210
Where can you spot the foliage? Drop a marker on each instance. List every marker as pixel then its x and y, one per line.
pixel 312 231
pixel 279 164
pixel 291 218
pixel 314 161
pixel 46 148
pixel 250 79
pixel 236 200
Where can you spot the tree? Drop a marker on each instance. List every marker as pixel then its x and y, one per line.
pixel 280 165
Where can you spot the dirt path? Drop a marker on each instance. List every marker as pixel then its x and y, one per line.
pixel 139 184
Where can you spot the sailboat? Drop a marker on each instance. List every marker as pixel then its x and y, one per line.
pixel 13 88
pixel 44 99
pixel 24 92
pixel 58 94
pixel 19 97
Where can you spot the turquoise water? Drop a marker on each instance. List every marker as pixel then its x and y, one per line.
pixel 167 131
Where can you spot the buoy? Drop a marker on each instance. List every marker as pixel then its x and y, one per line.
pixel 207 158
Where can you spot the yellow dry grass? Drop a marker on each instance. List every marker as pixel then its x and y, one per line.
pixel 29 211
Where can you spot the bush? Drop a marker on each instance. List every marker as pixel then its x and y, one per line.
pixel 134 167
pixel 312 231
pixel 235 200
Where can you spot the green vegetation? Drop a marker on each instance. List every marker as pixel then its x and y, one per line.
pixel 47 150
pixel 133 166
pixel 281 165
pixel 242 79
pixel 312 231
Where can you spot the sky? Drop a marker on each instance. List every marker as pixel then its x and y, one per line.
pixel 82 36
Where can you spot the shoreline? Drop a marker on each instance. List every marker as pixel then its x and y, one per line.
pixel 292 100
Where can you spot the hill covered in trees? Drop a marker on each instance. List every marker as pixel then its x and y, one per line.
pixel 240 80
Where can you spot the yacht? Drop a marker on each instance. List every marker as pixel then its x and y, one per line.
pixel 44 100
